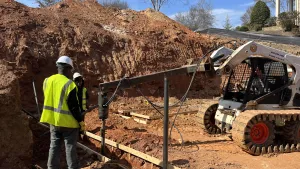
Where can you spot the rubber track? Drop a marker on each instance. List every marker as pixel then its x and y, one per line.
pixel 205 118
pixel 242 124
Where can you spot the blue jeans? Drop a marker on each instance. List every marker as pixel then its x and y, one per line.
pixel 70 137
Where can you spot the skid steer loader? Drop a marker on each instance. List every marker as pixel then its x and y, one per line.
pixel 260 104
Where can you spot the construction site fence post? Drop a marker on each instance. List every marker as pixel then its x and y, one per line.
pixel 166 123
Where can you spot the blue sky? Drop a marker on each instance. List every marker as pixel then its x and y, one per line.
pixel 221 8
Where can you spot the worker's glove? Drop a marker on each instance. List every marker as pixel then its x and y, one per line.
pixel 82 126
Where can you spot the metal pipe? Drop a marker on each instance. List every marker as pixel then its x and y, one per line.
pixel 103 115
pixel 102 133
pixel 166 122
pixel 129 82
pixel 36 99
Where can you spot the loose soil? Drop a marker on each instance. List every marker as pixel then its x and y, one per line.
pixel 200 149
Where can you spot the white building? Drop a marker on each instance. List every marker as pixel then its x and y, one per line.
pixel 293 5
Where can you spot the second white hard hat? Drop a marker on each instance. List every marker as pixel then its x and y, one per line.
pixel 75 75
pixel 66 60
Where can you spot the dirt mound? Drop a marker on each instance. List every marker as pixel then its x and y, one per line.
pixel 105 43
pixel 15 137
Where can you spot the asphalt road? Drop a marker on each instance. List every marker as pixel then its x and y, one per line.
pixel 252 36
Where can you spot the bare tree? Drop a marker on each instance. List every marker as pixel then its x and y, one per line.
pixel 227 24
pixel 114 3
pixel 245 18
pixel 45 3
pixel 157 4
pixel 199 16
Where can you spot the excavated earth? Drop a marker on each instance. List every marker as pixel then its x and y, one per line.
pixel 107 44
pixel 15 134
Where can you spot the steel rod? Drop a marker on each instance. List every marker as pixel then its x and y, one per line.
pixel 166 123
pixel 36 99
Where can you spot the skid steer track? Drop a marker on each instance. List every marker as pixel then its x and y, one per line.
pixel 207 119
pixel 254 131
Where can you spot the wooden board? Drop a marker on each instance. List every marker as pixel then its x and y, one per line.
pixel 140 115
pixel 125 117
pixel 140 121
pixel 131 151
pixel 151 108
pixel 174 114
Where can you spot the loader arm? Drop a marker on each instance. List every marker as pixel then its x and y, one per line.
pixel 252 49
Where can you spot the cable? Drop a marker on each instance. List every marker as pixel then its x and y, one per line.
pixel 149 101
pixel 197 67
pixel 152 104
pixel 115 92
pixel 181 101
pixel 183 98
pixel 185 95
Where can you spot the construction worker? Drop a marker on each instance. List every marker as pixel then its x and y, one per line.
pixel 82 91
pixel 62 112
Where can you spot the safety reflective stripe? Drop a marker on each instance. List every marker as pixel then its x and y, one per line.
pixel 83 98
pixel 61 100
pixel 56 110
pixel 62 94
pixel 45 84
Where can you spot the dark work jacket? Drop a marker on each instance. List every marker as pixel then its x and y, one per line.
pixel 73 105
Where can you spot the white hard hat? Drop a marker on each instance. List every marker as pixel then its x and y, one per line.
pixel 66 60
pixel 75 75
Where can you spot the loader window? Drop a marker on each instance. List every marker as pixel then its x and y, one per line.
pixel 238 82
pixel 254 78
pixel 267 77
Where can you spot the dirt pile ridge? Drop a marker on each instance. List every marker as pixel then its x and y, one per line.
pixel 15 137
pixel 105 43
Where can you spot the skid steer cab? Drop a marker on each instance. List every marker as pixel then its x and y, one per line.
pixel 260 100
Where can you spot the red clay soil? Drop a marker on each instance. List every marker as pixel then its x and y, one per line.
pixel 200 151
pixel 15 135
pixel 105 43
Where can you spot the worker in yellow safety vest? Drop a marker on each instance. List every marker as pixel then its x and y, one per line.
pixel 82 91
pixel 62 112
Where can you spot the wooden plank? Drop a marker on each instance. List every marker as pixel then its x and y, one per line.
pixel 131 151
pixel 140 115
pixel 151 108
pixel 140 121
pixel 125 117
pixel 173 114
pixel 155 117
pixel 124 111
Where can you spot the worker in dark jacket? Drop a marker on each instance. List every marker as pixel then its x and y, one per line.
pixel 62 112
pixel 82 91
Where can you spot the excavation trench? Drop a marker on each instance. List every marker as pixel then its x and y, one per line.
pixel 117 155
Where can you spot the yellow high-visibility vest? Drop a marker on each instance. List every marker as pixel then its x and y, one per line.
pixel 84 98
pixel 56 111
